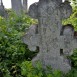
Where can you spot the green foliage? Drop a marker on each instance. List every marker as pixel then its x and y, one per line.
pixel 74 59
pixel 73 18
pixel 74 3
pixel 12 50
pixel 72 73
pixel 29 71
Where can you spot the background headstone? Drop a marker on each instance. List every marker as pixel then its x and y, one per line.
pixel 3 12
pixel 17 6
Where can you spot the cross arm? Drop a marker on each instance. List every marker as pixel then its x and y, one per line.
pixel 33 10
pixel 31 38
pixel 66 10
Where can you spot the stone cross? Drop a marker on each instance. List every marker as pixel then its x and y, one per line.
pixel 54 41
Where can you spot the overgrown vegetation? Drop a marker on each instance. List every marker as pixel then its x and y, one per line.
pixel 15 57
pixel 12 50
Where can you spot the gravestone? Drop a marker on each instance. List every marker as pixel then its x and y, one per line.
pixel 25 5
pixel 3 12
pixel 17 6
pixel 54 41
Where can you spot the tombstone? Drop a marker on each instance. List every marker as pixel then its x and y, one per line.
pixel 54 41
pixel 25 5
pixel 2 10
pixel 17 6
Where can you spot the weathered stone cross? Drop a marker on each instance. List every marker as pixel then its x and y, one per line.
pixel 54 41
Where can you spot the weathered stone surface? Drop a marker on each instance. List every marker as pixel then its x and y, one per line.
pixel 2 10
pixel 17 6
pixel 33 10
pixel 32 38
pixel 54 41
pixel 25 5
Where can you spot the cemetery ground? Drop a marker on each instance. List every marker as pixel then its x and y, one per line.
pixel 15 57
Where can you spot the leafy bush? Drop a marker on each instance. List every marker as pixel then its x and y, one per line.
pixel 74 59
pixel 29 71
pixel 72 20
pixel 12 50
